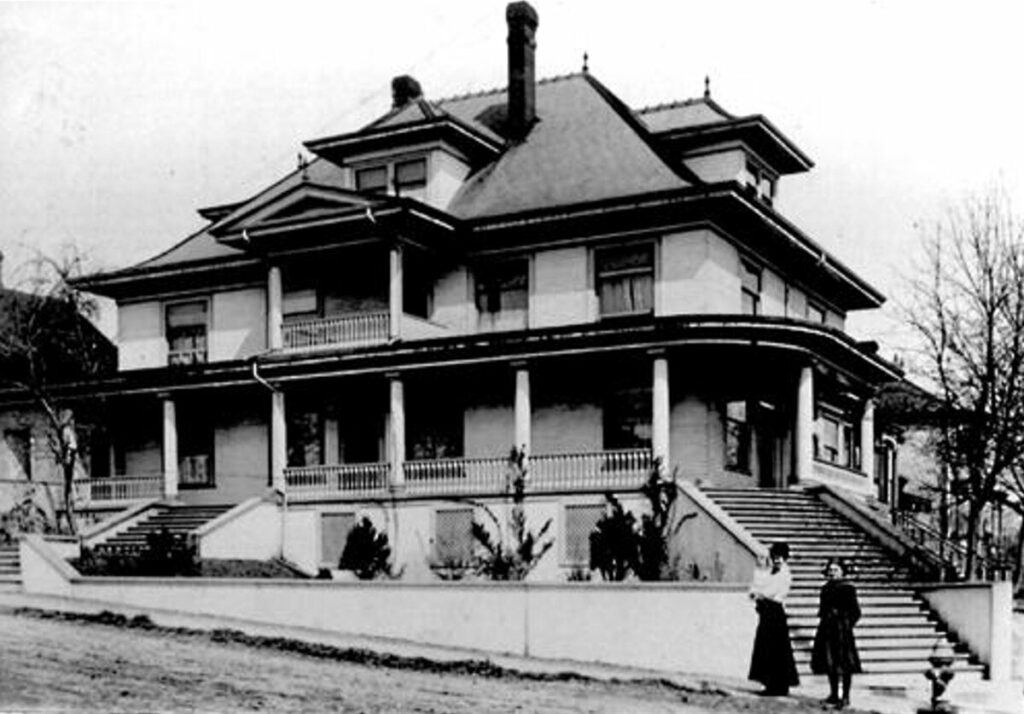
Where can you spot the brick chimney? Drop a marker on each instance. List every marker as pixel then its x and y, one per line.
pixel 522 107
pixel 404 89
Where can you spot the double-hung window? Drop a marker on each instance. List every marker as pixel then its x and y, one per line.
pixel 502 294
pixel 186 332
pixel 400 177
pixel 410 175
pixel 625 279
pixel 834 441
pixel 750 280
pixel 761 182
pixel 373 179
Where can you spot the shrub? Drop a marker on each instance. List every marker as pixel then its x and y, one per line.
pixel 164 555
pixel 367 553
pixel 618 546
pixel 614 543
pixel 511 555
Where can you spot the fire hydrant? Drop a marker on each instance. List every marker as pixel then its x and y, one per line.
pixel 939 674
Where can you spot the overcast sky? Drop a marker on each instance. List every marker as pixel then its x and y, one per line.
pixel 118 120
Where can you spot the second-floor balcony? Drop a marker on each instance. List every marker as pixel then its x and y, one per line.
pixel 354 331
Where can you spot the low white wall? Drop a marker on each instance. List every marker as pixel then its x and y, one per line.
pixel 695 628
pixel 980 615
pixel 720 548
pixel 251 529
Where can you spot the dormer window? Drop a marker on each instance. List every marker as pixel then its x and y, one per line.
pixel 760 181
pixel 373 179
pixel 401 178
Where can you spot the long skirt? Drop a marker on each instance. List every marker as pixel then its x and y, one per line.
pixel 835 648
pixel 772 662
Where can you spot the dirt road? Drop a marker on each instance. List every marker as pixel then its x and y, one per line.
pixel 57 665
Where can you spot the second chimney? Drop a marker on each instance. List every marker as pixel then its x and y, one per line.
pixel 404 89
pixel 522 108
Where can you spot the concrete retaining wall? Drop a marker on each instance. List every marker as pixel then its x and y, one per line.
pixel 980 615
pixel 697 628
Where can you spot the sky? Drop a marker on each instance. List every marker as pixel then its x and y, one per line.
pixel 118 120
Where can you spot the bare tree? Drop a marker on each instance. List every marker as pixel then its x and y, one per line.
pixel 967 307
pixel 47 342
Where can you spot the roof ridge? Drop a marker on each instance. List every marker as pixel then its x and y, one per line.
pixel 675 104
pixel 504 88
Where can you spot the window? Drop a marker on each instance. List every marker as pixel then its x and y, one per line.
pixel 502 295
pixel 737 437
pixel 373 179
pixel 627 419
pixel 453 536
pixel 404 176
pixel 195 447
pixel 297 303
pixel 760 181
pixel 19 443
pixel 186 332
pixel 305 436
pixel 750 280
pixel 834 441
pixel 625 279
pixel 580 522
pixel 815 313
pixel 410 175
pixel 334 528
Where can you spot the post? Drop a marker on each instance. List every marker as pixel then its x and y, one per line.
pixel 278 441
pixel 660 411
pixel 522 408
pixel 170 449
pixel 805 423
pixel 397 421
pixel 275 308
pixel 867 439
pixel 395 295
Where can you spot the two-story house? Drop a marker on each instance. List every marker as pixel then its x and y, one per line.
pixel 538 266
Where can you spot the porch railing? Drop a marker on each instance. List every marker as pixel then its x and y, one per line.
pixel 308 483
pixel 455 476
pixel 371 328
pixel 596 471
pixel 118 489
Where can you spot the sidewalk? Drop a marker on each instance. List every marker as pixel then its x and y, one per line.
pixel 904 695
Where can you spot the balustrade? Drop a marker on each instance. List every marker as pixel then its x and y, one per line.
pixel 360 330
pixel 312 482
pixel 118 489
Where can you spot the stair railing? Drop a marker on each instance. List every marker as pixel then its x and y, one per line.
pixel 951 553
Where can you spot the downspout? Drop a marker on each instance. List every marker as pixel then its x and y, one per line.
pixel 283 494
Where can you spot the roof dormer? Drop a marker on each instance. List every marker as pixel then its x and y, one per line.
pixel 416 150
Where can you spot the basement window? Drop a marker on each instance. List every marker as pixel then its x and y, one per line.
pixel 453 536
pixel 580 522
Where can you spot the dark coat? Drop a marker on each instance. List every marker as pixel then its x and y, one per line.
pixel 835 647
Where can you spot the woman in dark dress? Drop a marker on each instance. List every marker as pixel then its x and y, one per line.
pixel 835 648
pixel 772 662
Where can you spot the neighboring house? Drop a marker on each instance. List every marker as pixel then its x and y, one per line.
pixel 540 266
pixel 43 343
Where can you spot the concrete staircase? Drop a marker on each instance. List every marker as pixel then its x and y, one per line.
pixel 10 567
pixel 178 520
pixel 897 632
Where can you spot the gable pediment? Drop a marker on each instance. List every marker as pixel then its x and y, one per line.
pixel 305 202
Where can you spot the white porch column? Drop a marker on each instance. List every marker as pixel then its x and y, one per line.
pixel 660 411
pixel 170 449
pixel 395 296
pixel 867 439
pixel 278 440
pixel 805 424
pixel 397 422
pixel 522 407
pixel 275 308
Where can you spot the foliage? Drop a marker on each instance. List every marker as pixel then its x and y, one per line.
pixel 967 309
pixel 512 557
pixel 367 553
pixel 165 555
pixel 26 516
pixel 450 567
pixel 47 340
pixel 619 546
pixel 614 543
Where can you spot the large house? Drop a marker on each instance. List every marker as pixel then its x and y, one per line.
pixel 539 266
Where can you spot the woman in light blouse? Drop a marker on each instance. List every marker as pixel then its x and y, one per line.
pixel 772 661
